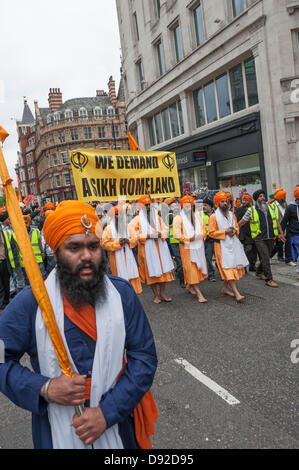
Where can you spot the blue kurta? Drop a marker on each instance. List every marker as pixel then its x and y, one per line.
pixel 22 386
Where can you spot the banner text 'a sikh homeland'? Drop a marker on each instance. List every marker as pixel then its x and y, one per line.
pixel 119 174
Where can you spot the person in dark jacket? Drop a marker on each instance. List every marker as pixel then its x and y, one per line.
pixel 290 223
pixel 245 232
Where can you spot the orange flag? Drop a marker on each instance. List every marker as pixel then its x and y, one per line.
pixel 20 199
pixel 132 142
pixel 32 269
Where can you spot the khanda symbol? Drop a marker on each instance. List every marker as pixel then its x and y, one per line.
pixel 79 161
pixel 169 162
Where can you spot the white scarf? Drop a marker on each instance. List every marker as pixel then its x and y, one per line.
pixel 125 261
pixel 108 360
pixel 155 268
pixel 197 249
pixel 232 251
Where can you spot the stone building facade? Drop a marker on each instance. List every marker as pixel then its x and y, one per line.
pixel 218 83
pixel 26 167
pixel 93 122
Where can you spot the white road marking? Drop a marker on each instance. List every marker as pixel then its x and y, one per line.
pixel 224 394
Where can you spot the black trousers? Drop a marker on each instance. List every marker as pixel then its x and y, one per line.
pixel 4 285
pixel 251 253
pixel 264 249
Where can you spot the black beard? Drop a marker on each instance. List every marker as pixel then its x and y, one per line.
pixel 77 291
pixel 224 210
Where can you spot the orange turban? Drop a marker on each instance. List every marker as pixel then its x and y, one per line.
pixel 49 205
pixel 280 194
pixel 115 210
pixel 219 197
pixel 27 218
pixel 296 193
pixel 169 200
pixel 187 200
pixel 249 198
pixel 144 200
pixel 66 221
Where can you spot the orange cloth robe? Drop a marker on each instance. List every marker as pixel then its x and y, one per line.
pixel 233 274
pixel 111 245
pixel 192 274
pixel 143 271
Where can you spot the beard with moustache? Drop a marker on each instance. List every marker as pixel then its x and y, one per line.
pixel 78 291
pixel 224 209
pixel 262 205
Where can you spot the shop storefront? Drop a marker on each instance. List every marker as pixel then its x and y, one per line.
pixel 227 156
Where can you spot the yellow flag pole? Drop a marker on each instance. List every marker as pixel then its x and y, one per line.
pixel 31 266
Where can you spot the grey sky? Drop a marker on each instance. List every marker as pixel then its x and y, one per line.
pixel 68 44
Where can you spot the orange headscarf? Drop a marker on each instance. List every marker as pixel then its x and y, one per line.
pixel 280 194
pixel 219 197
pixel 66 221
pixel 187 200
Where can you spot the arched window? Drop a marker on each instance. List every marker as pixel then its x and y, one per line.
pixel 49 118
pixel 68 114
pixel 97 112
pixel 111 110
pixel 56 116
pixel 83 114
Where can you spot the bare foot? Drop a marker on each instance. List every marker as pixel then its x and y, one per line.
pixel 165 298
pixel 191 290
pixel 201 299
pixel 240 298
pixel 227 292
pixel 157 300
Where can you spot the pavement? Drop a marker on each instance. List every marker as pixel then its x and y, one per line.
pixel 236 350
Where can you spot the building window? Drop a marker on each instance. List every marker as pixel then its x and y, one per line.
pixel 110 110
pixel 158 8
pixel 97 113
pixel 57 181
pixel 199 108
pixel 61 137
pixel 178 43
pixel 238 7
pixel 68 114
pixel 237 173
pixel 74 134
pixel 64 157
pixel 166 124
pixel 55 159
pixel 56 116
pixel 87 133
pixel 29 158
pixel 140 75
pixel 198 21
pixel 49 118
pixel 251 82
pixel 223 96
pixel 211 109
pixel 136 26
pixel 67 179
pixel 83 114
pixel 160 55
pixel 115 130
pixel 101 132
pixel 237 88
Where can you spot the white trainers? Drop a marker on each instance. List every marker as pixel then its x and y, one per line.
pixel 291 263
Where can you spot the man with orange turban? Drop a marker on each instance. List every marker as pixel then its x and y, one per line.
pixel 245 232
pixel 230 257
pixel 119 239
pixel 283 250
pixel 290 223
pixel 155 262
pixel 189 228
pixel 101 321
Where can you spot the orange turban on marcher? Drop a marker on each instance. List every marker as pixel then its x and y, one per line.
pixel 296 193
pixel 66 221
pixel 280 194
pixel 249 198
pixel 115 210
pixel 49 205
pixel 144 200
pixel 27 218
pixel 187 200
pixel 169 200
pixel 219 197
